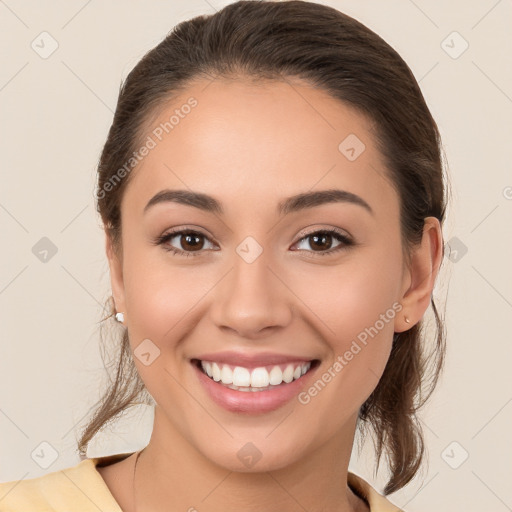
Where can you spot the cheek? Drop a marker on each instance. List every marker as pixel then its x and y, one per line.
pixel 159 297
pixel 352 296
pixel 358 305
pixel 163 301
pixel 159 287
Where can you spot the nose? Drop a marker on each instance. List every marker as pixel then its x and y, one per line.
pixel 252 300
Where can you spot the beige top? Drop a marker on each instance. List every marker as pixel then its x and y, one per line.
pixel 82 488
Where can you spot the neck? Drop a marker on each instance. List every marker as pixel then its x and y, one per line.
pixel 171 470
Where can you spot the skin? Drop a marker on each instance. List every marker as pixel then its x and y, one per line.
pixel 250 146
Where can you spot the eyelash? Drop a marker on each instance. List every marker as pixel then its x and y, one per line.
pixel 163 239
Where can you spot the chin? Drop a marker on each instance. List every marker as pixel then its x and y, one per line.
pixel 257 456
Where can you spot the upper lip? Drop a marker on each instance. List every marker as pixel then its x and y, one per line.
pixel 252 360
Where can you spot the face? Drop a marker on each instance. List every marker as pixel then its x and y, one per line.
pixel 315 284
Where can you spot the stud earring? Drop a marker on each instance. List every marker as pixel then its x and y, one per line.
pixel 120 317
pixel 407 321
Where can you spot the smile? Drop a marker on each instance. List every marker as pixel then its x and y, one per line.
pixel 262 378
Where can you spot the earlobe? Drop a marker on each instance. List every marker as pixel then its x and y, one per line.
pixel 421 276
pixel 116 274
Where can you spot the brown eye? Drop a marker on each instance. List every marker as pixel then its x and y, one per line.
pixel 325 242
pixel 189 243
pixel 320 241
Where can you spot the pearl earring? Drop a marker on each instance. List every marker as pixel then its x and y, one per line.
pixel 407 321
pixel 120 317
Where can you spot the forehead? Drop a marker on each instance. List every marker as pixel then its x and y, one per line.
pixel 249 142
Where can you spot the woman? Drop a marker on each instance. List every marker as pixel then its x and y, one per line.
pixel 272 194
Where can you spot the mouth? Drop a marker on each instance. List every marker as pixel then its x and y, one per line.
pixel 255 379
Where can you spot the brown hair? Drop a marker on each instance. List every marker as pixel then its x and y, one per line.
pixel 337 54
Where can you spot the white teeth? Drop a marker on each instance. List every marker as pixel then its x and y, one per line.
pixel 215 372
pixel 241 376
pixel 276 376
pixel 260 378
pixel 207 367
pixel 226 375
pixel 288 374
pixel 243 379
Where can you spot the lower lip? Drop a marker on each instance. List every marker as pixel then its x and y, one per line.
pixel 252 402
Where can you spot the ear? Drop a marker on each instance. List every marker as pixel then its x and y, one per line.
pixel 419 278
pixel 116 274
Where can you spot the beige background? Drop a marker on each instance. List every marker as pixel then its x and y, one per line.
pixel 55 115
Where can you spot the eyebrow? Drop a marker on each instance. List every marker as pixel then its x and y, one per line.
pixel 291 204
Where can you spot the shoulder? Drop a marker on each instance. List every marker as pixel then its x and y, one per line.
pixel 376 501
pixel 82 487
pixel 75 488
